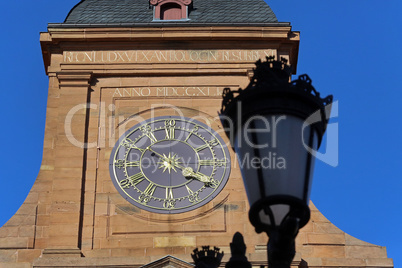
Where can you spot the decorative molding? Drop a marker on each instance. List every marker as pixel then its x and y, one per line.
pixel 57 252
pixel 74 79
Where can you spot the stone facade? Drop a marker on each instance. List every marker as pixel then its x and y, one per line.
pixel 102 81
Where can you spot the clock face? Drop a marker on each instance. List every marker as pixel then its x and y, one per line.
pixel 170 164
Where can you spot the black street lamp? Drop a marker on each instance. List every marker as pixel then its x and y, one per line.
pixel 275 126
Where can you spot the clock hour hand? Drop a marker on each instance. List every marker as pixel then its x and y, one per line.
pixel 189 172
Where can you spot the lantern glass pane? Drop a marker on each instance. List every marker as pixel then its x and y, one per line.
pixel 315 146
pixel 276 149
pixel 279 212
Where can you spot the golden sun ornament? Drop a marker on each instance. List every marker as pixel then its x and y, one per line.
pixel 169 162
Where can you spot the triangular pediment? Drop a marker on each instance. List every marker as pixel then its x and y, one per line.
pixel 168 262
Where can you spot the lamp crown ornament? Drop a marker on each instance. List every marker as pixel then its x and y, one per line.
pixel 271 74
pixel 279 71
pixel 207 257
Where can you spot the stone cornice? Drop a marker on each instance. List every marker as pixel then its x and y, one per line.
pixel 57 38
pixel 74 79
pixel 169 33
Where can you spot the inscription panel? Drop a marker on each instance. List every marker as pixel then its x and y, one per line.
pixel 167 56
pixel 185 91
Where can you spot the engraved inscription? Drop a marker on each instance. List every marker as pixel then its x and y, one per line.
pixel 169 91
pixel 177 56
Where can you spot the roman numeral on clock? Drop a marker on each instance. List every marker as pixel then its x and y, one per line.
pixel 150 189
pixel 195 129
pixel 132 180
pixel 137 178
pixel 151 136
pixel 169 128
pixel 133 164
pixel 189 190
pixel 129 144
pixel 169 193
pixel 148 132
pixel 213 142
pixel 192 197
pixel 202 147
pixel 119 163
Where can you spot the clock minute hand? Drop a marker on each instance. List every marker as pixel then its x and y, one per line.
pixel 158 154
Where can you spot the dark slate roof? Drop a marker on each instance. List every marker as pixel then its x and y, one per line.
pixel 112 12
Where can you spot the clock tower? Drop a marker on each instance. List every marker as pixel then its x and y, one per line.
pixel 136 170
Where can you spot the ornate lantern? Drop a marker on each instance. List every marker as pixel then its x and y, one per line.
pixel 274 127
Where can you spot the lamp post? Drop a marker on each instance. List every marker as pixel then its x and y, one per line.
pixel 274 126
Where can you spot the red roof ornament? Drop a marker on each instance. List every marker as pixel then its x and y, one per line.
pixel 170 9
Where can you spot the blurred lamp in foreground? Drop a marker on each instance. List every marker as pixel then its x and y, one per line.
pixel 275 126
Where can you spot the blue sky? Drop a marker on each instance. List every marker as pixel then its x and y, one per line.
pixel 350 49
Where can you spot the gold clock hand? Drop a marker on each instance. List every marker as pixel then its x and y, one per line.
pixel 201 177
pixel 158 154
pixel 189 172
